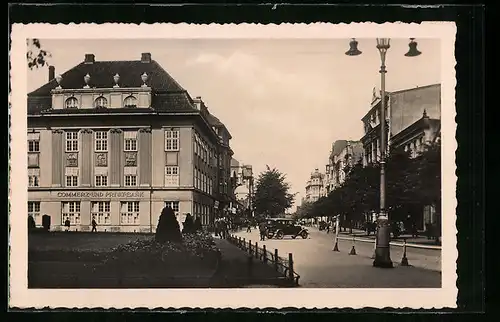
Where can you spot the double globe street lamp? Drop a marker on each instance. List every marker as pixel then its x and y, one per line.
pixel 382 241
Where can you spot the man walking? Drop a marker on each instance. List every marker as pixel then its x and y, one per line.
pixel 94 225
pixel 67 224
pixel 263 231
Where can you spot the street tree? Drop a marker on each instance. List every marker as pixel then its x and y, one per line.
pixel 36 56
pixel 272 194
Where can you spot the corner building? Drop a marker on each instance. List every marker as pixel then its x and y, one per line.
pixel 120 140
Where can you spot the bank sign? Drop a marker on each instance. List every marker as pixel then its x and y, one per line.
pixel 101 194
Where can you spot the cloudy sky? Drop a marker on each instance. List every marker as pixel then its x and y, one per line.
pixel 284 101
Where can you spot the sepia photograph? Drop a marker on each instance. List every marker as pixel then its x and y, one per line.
pixel 204 163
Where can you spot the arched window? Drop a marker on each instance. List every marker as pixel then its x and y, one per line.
pixel 101 102
pixel 130 101
pixel 72 102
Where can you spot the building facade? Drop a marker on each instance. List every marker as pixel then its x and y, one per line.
pixel 118 141
pixel 315 187
pixel 413 120
pixel 345 154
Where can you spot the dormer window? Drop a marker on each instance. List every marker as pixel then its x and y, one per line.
pixel 101 102
pixel 130 101
pixel 72 103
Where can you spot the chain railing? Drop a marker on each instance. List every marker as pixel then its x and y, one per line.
pixel 284 266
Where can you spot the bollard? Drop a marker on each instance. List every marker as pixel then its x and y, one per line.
pixel 276 259
pixel 336 246
pixel 374 248
pixel 250 266
pixel 290 267
pixel 256 250
pixel 264 254
pixel 353 250
pixel 404 260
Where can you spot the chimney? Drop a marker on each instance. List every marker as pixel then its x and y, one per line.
pixel 146 57
pixel 89 58
pixel 198 102
pixel 52 73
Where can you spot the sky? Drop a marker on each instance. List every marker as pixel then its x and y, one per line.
pixel 284 101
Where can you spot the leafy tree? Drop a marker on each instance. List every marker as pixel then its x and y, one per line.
pixel 36 56
pixel 168 228
pixel 272 196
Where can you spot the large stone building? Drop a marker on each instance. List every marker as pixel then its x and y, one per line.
pixel 345 153
pixel 413 117
pixel 315 186
pixel 413 120
pixel 120 140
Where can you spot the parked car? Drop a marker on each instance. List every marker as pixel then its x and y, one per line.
pixel 281 227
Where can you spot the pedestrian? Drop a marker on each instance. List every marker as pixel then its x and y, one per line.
pixel 94 225
pixel 249 228
pixel 67 224
pixel 262 231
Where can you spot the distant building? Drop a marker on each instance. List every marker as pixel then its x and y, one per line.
pixel 344 154
pixel 120 140
pixel 243 183
pixel 315 187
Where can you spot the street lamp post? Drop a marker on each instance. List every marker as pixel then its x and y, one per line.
pixel 382 242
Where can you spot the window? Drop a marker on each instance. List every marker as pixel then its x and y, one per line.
pixel 101 141
pixel 72 141
pixel 171 140
pixel 174 205
pixel 130 143
pixel 71 211
pixel 71 177
pixel 172 176
pixel 129 213
pixel 101 180
pixel 34 211
pixel 101 102
pixel 130 101
pixel 101 212
pixel 72 102
pixel 33 177
pixel 33 146
pixel 130 180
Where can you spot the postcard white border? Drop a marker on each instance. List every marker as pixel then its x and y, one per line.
pixel 22 297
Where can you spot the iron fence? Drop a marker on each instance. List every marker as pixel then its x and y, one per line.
pixel 284 266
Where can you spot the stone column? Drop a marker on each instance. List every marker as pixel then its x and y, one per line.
pixel 144 157
pixel 86 157
pixel 57 158
pixel 114 157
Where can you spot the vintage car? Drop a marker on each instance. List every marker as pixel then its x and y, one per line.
pixel 281 227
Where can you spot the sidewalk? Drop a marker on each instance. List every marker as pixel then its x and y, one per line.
pixel 234 269
pixel 421 240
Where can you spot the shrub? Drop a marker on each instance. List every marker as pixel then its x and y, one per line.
pixel 188 225
pixel 168 227
pixel 197 224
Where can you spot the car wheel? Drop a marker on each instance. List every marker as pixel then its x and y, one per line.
pixel 304 235
pixel 280 235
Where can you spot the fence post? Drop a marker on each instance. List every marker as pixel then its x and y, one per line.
pixel 264 254
pixel 250 247
pixel 276 259
pixel 290 266
pixel 404 260
pixel 256 250
pixel 244 243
